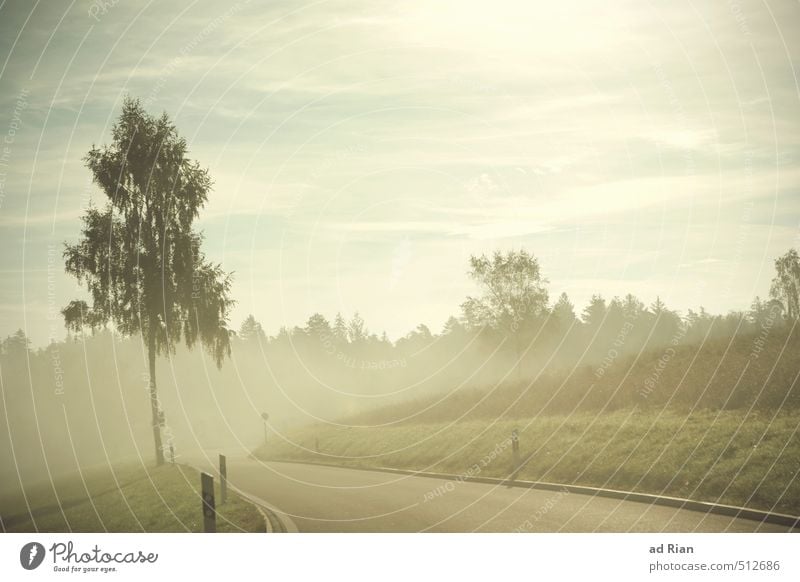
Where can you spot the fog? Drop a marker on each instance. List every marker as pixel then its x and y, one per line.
pixel 84 401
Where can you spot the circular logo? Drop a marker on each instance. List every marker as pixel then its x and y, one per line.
pixel 31 555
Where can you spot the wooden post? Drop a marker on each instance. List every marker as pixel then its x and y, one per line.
pixel 209 510
pixel 223 480
pixel 515 451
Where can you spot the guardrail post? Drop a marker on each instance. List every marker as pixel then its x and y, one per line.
pixel 209 509
pixel 223 479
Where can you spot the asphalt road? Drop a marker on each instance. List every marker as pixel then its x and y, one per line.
pixel 312 498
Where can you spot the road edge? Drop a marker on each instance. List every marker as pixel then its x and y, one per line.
pixel 790 521
pixel 284 522
pixel 276 521
pixel 280 522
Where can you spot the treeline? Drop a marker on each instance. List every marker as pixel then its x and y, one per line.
pixel 603 332
pixel 512 321
pixel 509 352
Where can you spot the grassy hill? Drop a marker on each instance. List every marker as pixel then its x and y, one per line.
pixel 715 422
pixel 130 498
pixel 727 457
pixel 719 374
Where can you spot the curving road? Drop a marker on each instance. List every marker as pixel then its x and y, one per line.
pixel 313 498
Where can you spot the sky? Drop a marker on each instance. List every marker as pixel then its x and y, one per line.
pixel 363 150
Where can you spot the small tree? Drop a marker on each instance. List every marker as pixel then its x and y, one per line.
pixel 595 312
pixel 512 293
pixel 16 345
pixel 80 316
pixel 564 310
pixel 318 328
pixel 356 330
pixel 453 326
pixel 340 329
pixel 251 330
pixel 786 284
pixel 139 257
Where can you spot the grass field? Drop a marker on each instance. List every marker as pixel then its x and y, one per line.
pixel 130 498
pixel 726 457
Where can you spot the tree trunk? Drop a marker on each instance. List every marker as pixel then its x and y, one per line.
pixel 154 407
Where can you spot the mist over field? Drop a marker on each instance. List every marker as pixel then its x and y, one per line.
pixel 535 244
pixel 84 401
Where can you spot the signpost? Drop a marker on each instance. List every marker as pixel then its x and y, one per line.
pixel 209 509
pixel 223 480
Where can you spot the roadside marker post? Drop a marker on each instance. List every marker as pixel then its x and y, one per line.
pixel 515 449
pixel 223 479
pixel 209 509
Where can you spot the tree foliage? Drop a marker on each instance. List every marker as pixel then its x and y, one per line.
pixel 786 284
pixel 512 290
pixel 251 330
pixel 138 255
